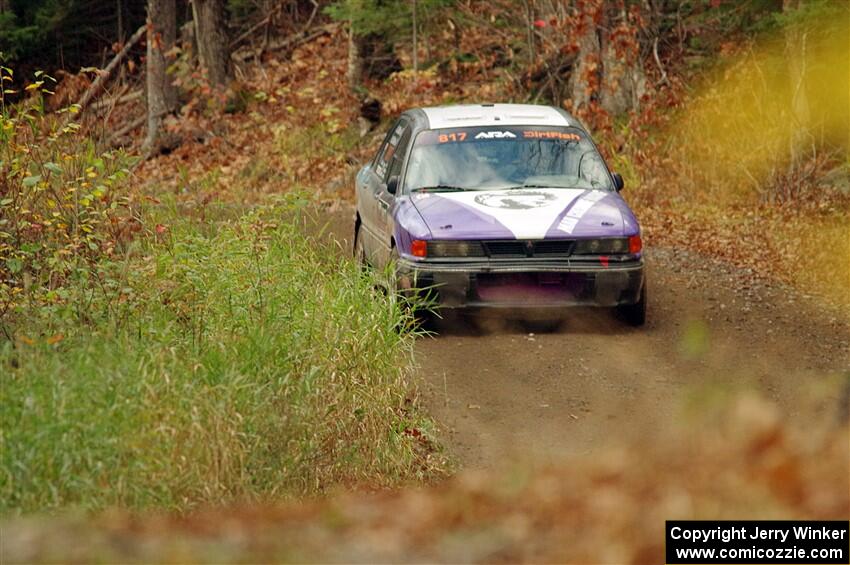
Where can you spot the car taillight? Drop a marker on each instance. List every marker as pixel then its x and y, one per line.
pixel 419 248
pixel 635 244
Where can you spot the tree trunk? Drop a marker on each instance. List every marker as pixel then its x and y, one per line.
pixel 415 42
pixel 585 77
pixel 119 17
pixel 161 94
pixel 211 35
pixel 608 70
pixel 355 59
pixel 529 33
pixel 623 76
pixel 795 55
pixel 370 56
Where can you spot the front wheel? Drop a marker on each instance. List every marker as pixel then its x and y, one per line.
pixel 402 288
pixel 359 250
pixel 635 314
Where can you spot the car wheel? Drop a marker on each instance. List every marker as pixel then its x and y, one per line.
pixel 635 314
pixel 399 283
pixel 359 250
pixel 402 288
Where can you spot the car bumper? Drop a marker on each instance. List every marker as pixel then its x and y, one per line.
pixel 524 284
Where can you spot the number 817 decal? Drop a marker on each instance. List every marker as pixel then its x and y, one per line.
pixel 449 137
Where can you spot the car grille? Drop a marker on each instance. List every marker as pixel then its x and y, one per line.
pixel 554 247
pixel 524 248
pixel 505 248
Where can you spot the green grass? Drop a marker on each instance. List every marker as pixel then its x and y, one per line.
pixel 244 362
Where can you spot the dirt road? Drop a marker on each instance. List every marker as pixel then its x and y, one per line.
pixel 503 393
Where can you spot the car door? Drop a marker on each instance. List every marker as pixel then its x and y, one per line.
pixel 378 204
pixel 385 200
pixel 368 185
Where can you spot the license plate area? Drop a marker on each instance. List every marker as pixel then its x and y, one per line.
pixel 550 279
pixel 529 288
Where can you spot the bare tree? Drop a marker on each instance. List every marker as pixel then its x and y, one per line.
pixel 415 42
pixel 370 56
pixel 213 44
pixel 119 19
pixel 605 72
pixel 355 58
pixel 161 93
pixel 796 37
pixel 623 74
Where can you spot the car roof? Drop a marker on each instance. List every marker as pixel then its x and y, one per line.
pixel 474 115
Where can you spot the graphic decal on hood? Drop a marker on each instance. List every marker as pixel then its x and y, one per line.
pixel 527 213
pixel 526 201
pixel 578 209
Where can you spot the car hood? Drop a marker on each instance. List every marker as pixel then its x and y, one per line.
pixel 533 213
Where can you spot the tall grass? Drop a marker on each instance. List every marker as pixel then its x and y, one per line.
pixel 245 361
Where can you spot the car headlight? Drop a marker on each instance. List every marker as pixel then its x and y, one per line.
pixel 607 246
pixel 455 249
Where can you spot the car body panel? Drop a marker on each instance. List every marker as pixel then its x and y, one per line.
pixel 408 225
pixel 522 283
pixel 524 214
pixel 471 115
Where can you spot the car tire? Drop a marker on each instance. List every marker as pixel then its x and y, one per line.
pixel 635 314
pixel 394 284
pixel 359 250
pixel 400 286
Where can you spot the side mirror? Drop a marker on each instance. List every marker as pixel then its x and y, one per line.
pixel 618 181
pixel 392 184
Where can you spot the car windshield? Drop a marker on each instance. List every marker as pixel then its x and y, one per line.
pixel 491 158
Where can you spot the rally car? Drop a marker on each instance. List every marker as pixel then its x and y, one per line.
pixel 500 206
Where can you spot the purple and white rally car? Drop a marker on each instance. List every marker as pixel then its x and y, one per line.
pixel 500 205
